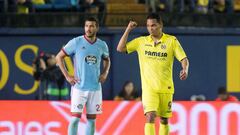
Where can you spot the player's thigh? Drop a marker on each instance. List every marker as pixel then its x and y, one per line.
pixel 78 100
pixel 94 102
pixel 165 106
pixel 150 101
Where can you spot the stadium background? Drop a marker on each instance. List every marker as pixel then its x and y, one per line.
pixel 211 41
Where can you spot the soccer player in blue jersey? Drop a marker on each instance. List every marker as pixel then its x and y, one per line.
pixel 87 51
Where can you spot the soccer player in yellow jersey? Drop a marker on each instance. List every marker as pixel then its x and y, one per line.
pixel 156 54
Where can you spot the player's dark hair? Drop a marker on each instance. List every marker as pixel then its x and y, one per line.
pixel 155 16
pixel 92 19
pixel 222 90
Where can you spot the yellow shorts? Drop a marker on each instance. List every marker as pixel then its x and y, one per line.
pixel 161 103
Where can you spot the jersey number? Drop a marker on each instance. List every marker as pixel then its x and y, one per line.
pixel 99 107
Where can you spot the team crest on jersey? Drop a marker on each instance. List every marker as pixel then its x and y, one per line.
pixel 90 59
pixel 163 46
pixel 83 48
pixel 80 106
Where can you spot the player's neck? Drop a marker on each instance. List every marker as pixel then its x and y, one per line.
pixel 91 39
pixel 156 38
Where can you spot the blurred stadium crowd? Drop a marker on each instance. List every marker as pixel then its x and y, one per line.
pixel 94 6
pixel 65 13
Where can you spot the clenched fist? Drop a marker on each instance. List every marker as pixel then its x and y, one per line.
pixel 131 25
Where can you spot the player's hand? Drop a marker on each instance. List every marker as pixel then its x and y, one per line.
pixel 183 74
pixel 131 25
pixel 72 80
pixel 102 78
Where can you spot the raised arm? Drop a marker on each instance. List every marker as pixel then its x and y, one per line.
pixel 59 59
pixel 122 43
pixel 184 72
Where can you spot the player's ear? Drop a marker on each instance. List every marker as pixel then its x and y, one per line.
pixel 97 28
pixel 161 24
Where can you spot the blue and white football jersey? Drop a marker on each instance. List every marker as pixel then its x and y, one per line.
pixel 87 58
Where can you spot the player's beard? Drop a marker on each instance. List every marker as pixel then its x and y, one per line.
pixel 155 34
pixel 90 35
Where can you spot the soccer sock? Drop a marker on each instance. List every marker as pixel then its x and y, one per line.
pixel 164 129
pixel 73 126
pixel 149 129
pixel 90 128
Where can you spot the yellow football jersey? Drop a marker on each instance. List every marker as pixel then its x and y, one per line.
pixel 156 61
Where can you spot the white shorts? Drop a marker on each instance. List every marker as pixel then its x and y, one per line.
pixel 92 100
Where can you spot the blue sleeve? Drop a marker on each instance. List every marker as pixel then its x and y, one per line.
pixel 70 47
pixel 105 51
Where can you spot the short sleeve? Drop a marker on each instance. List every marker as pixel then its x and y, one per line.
pixel 105 51
pixel 178 50
pixel 70 47
pixel 132 45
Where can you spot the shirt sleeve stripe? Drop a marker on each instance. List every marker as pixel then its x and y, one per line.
pixel 64 52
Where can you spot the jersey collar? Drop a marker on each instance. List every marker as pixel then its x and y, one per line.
pixel 89 40
pixel 149 38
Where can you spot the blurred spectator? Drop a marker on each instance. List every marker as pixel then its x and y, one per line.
pixel 38 2
pixel 162 5
pixel 236 5
pixel 157 5
pixel 223 95
pixel 180 5
pixel 171 5
pixel 223 6
pixel 219 6
pixel 54 86
pixel 198 98
pixel 202 6
pixel 128 92
pixel 152 4
pixel 24 6
pixel 92 6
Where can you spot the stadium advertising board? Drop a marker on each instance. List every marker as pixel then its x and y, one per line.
pixel 118 118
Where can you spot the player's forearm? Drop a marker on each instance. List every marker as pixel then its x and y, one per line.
pixel 59 60
pixel 185 64
pixel 122 43
pixel 106 66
